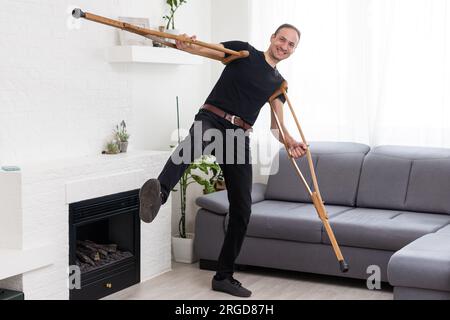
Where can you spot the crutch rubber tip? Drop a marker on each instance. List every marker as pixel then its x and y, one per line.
pixel 344 266
pixel 78 13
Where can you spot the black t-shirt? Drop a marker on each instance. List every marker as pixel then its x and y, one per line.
pixel 245 84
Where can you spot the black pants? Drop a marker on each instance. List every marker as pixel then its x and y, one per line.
pixel 237 170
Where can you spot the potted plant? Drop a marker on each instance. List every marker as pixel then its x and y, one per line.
pixel 174 5
pixel 122 136
pixel 207 173
pixel 112 147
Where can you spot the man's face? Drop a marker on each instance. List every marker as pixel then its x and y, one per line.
pixel 283 44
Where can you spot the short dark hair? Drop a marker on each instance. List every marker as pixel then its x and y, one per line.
pixel 288 26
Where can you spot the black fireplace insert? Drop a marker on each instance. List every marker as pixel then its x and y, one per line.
pixel 104 243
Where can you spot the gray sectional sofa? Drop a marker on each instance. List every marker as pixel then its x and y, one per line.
pixel 388 207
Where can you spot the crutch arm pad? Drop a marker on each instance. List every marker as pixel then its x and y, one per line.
pixel 231 58
pixel 283 88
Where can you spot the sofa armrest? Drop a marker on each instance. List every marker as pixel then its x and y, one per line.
pixel 258 192
pixel 218 202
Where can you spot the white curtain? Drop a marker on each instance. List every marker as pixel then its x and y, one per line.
pixel 369 71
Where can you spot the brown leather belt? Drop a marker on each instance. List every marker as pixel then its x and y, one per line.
pixel 233 119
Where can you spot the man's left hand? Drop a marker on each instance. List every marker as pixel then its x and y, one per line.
pixel 297 149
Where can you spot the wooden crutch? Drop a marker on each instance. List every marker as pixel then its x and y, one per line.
pixel 315 195
pixel 157 35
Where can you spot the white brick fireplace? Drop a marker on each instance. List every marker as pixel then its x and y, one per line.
pixel 34 236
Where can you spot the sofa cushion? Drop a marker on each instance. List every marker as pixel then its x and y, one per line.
pixel 337 165
pixel 383 229
pixel 288 221
pixel 424 263
pixel 218 202
pixel 429 186
pixel 406 178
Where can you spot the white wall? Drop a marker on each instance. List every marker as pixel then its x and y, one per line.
pixel 230 21
pixel 155 87
pixel 60 98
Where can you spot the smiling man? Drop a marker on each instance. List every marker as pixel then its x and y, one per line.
pixel 231 109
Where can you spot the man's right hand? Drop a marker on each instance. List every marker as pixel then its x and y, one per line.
pixel 197 49
pixel 185 46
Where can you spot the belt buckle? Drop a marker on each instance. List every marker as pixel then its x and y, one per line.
pixel 233 120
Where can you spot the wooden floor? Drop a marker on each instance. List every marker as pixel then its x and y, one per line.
pixel 188 282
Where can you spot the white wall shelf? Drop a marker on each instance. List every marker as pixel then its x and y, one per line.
pixel 148 54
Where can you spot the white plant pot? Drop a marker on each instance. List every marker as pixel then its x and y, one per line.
pixel 175 32
pixel 183 249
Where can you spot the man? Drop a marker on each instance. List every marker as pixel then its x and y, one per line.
pixel 231 109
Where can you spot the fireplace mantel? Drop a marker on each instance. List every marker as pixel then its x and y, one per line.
pixel 15 262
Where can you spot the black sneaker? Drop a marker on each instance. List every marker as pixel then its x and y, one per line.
pixel 150 200
pixel 231 286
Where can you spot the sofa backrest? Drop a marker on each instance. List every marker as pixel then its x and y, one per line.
pixel 337 165
pixel 406 178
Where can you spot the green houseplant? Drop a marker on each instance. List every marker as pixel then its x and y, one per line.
pixel 112 147
pixel 207 173
pixel 174 5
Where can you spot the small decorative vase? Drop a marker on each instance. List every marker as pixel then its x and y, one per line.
pixel 123 146
pixel 157 44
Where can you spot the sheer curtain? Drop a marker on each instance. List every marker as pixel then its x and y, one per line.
pixel 369 71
